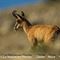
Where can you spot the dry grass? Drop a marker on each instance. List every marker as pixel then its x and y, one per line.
pixel 12 42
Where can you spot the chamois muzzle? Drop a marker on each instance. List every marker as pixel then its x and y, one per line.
pixel 17 26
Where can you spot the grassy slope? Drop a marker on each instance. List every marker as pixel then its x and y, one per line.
pixel 13 42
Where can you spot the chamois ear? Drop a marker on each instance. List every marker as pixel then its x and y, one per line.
pixel 22 13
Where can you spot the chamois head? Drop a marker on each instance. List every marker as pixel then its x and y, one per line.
pixel 19 19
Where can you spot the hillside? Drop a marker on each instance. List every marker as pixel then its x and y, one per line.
pixel 15 42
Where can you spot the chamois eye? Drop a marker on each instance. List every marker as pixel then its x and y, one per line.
pixel 18 21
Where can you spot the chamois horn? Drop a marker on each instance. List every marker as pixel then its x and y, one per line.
pixel 20 17
pixel 16 15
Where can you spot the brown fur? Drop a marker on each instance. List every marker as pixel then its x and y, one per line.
pixel 42 32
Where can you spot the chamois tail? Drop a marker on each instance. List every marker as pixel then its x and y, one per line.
pixel 58 30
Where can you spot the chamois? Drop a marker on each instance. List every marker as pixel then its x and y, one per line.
pixel 36 33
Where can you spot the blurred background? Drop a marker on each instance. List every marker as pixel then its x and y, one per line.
pixel 36 11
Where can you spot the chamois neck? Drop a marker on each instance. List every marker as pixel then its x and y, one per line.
pixel 25 27
pixel 25 20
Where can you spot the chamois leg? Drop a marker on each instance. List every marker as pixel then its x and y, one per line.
pixel 34 42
